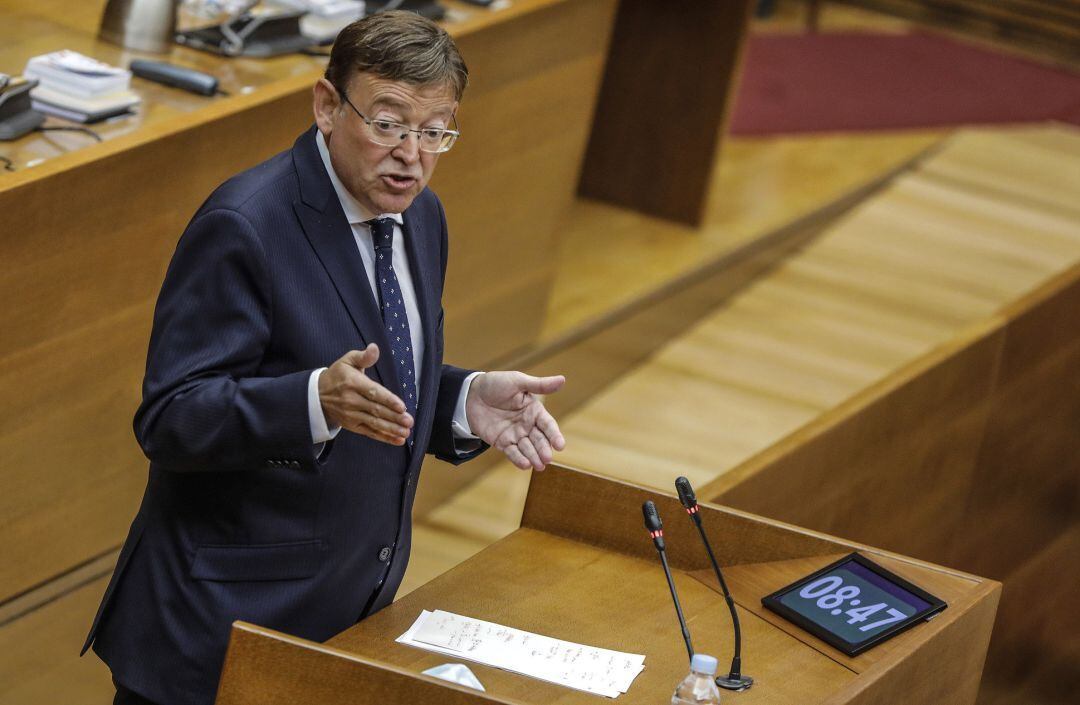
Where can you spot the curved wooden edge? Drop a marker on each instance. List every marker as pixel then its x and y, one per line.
pixel 266 667
pixel 988 332
pixel 1056 286
pixel 606 512
pixel 990 335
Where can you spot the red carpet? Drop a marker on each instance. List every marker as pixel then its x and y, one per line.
pixel 859 82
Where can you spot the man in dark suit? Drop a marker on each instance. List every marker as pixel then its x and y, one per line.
pixel 280 490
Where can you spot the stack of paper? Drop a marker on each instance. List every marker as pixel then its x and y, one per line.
pixel 77 87
pixel 587 668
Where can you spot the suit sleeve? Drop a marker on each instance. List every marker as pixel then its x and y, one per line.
pixel 443 444
pixel 204 407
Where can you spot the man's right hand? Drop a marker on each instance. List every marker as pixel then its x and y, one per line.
pixel 350 399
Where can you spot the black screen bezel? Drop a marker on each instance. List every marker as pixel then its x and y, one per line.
pixel 772 602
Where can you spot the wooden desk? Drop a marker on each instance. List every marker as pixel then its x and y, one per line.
pixel 536 68
pixel 582 568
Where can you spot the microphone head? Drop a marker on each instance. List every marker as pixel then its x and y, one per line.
pixel 652 517
pixel 686 492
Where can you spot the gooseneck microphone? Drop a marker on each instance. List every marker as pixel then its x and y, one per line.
pixel 735 680
pixel 656 533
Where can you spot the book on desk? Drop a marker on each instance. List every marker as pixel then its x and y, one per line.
pixel 79 88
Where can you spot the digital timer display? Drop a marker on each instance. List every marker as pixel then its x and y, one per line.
pixel 853 604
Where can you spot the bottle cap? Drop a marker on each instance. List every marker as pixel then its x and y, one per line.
pixel 703 663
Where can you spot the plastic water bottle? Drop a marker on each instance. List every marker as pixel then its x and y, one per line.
pixel 698 688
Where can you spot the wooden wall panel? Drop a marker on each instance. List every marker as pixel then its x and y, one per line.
pixel 41 663
pixel 968 457
pixel 663 106
pixel 891 467
pixel 1034 653
pixel 72 472
pixel 85 262
pixel 1022 521
pixel 511 177
pixel 89 241
pixel 1026 488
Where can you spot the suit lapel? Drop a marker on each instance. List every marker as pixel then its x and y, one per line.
pixel 331 237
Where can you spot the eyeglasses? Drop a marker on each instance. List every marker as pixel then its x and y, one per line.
pixel 387 133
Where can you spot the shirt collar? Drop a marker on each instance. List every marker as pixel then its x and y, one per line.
pixel 354 212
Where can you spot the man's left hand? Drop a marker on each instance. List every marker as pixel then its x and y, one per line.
pixel 504 411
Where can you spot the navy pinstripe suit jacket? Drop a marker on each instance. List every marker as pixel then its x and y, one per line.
pixel 240 518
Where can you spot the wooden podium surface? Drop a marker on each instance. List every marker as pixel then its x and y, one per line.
pixel 582 568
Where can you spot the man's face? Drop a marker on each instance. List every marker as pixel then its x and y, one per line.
pixel 382 179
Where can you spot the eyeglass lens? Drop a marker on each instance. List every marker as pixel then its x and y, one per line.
pixel 390 134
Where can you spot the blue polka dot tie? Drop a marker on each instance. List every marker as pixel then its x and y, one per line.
pixel 393 311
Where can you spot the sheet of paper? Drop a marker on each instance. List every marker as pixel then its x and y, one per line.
pixel 587 668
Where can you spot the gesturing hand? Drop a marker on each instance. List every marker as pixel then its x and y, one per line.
pixel 504 412
pixel 350 399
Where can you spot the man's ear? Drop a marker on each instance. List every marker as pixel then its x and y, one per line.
pixel 325 106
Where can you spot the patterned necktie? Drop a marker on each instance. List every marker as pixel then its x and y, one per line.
pixel 393 311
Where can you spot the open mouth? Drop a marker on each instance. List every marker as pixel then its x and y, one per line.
pixel 398 182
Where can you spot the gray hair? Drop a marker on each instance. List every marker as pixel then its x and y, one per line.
pixel 398 46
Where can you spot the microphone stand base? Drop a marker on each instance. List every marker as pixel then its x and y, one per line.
pixel 738 683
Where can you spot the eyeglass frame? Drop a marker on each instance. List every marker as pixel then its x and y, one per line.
pixel 419 132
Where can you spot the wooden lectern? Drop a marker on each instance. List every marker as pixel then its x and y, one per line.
pixel 582 568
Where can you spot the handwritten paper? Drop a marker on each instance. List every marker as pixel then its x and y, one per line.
pixel 587 668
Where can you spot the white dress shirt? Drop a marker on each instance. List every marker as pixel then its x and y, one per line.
pixel 357 216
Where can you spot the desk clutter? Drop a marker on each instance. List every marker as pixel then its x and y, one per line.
pixel 277 27
pixel 79 88
pixel 323 19
pixel 17 117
